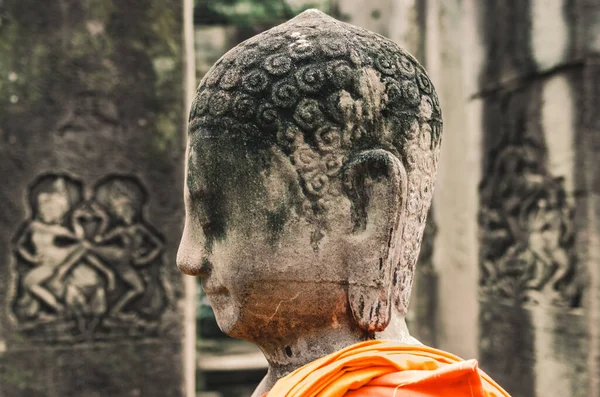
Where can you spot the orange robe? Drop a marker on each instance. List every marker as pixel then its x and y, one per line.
pixel 387 369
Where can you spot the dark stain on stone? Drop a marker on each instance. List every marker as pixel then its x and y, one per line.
pixel 215 226
pixel 507 342
pixel 378 309
pixel 506 30
pixel 506 348
pixel 315 238
pixel 361 304
pixel 276 221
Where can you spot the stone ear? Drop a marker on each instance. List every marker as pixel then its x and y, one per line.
pixel 376 183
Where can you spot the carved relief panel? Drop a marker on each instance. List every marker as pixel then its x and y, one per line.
pixel 527 234
pixel 87 265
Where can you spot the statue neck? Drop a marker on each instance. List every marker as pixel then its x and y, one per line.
pixel 287 356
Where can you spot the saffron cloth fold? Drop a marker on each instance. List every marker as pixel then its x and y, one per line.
pixel 387 369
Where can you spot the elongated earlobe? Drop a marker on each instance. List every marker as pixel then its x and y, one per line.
pixel 376 183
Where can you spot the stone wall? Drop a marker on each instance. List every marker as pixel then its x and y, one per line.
pixel 93 103
pixel 516 199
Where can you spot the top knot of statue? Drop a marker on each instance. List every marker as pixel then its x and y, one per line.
pixel 342 108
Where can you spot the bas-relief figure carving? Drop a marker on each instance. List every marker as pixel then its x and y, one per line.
pixel 87 268
pixel 527 231
pixel 311 161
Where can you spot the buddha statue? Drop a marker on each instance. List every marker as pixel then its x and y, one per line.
pixel 311 161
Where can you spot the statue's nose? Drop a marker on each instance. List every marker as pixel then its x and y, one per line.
pixel 189 257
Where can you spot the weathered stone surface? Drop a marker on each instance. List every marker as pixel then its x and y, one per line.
pixel 455 251
pixel 527 212
pixel 533 350
pixel 311 160
pixel 522 39
pixel 522 87
pixel 531 253
pixel 92 98
pixel 587 162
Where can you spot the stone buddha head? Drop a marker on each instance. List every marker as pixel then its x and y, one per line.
pixel 311 161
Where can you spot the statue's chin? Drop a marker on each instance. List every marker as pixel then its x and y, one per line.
pixel 226 326
pixel 227 317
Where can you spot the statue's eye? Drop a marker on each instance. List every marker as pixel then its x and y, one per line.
pixel 207 228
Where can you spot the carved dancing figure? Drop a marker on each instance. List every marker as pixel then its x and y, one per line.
pixel 129 244
pixel 81 215
pixel 514 172
pixel 543 218
pixel 54 245
pixel 85 291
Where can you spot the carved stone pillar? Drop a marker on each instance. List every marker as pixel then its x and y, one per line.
pixel 533 220
pixel 525 82
pixel 93 103
pixel 455 196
